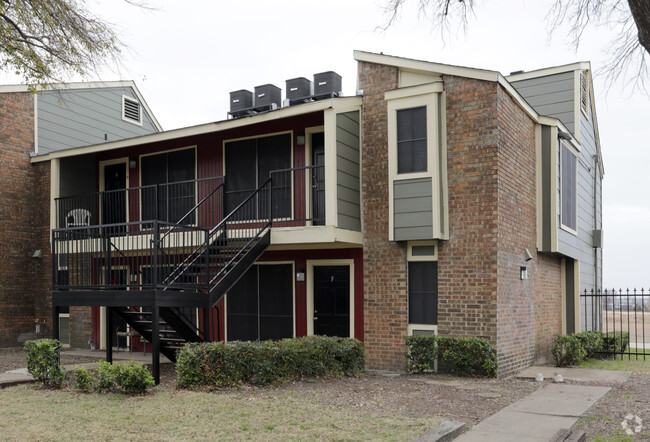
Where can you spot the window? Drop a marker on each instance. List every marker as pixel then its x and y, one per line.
pixel 569 188
pixel 260 305
pixel 248 166
pixel 423 292
pixel 584 92
pixel 131 110
pixel 412 140
pixel 173 197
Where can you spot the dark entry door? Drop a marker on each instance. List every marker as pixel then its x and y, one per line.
pixel 114 202
pixel 332 301
pixel 318 178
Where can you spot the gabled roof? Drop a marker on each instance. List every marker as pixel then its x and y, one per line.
pixel 87 85
pixel 285 112
pixel 446 69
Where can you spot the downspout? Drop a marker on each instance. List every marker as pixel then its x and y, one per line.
pixel 595 222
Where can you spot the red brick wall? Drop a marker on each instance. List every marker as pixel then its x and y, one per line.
pixel 384 262
pixel 516 232
pixel 16 235
pixel 467 263
pixel 548 305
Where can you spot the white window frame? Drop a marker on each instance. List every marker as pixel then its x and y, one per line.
pixel 575 154
pixel 411 328
pixel 431 97
pixel 140 108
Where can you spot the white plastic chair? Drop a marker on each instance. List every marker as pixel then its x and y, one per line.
pixel 77 218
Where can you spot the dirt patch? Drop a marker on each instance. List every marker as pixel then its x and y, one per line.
pixel 628 402
pixel 14 358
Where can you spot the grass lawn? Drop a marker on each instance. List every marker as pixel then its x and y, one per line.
pixel 31 412
pixel 624 363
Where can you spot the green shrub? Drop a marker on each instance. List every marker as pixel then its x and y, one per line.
pixel 463 356
pixel 133 378
pixel 616 342
pixel 218 364
pixel 43 362
pixel 83 379
pixel 106 373
pixel 568 350
pixel 422 352
pixel 592 342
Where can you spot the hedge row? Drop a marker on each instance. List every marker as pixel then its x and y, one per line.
pixel 463 356
pixel 573 349
pixel 218 364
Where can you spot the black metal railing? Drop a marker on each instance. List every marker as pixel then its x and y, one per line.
pixel 121 256
pixel 229 240
pixel 195 202
pixel 624 315
pixel 298 195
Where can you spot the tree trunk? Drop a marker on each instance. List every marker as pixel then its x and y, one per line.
pixel 641 13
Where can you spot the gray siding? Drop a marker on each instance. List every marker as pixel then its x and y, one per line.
pixel 82 117
pixel 348 171
pixel 580 246
pixel 551 95
pixel 413 209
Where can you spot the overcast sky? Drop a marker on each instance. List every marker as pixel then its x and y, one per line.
pixel 187 56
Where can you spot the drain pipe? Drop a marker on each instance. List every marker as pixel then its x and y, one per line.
pixel 596 222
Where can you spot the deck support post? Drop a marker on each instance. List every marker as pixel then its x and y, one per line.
pixel 55 322
pixel 206 325
pixel 109 336
pixel 155 343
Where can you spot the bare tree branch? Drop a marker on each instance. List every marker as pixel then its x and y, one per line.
pixel 629 18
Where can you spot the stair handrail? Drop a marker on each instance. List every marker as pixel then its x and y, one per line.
pixel 222 225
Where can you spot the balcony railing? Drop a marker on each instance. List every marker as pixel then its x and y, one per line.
pixel 294 197
pixel 194 202
pixel 101 257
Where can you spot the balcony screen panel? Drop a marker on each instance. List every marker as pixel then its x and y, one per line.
pixel 248 166
pixel 274 153
pixel 241 171
pixel 172 200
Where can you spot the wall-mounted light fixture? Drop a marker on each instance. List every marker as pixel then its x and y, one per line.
pixel 523 272
pixel 563 135
pixel 528 255
pixel 133 163
pixel 38 254
pixel 300 139
pixel 300 276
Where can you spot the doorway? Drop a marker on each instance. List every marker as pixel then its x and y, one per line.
pixel 318 178
pixel 331 292
pixel 114 200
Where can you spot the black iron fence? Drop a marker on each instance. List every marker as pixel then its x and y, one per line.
pixel 624 315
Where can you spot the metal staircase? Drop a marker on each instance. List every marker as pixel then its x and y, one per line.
pixel 232 247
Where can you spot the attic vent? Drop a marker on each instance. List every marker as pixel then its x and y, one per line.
pixel 584 92
pixel 131 110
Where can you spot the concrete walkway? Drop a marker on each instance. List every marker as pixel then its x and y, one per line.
pixel 540 415
pixel 20 376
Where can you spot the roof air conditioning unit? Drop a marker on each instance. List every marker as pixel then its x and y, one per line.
pixel 327 84
pixel 267 96
pixel 299 90
pixel 240 100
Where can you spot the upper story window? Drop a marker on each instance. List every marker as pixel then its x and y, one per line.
pixel 569 188
pixel 412 140
pixel 131 110
pixel 584 92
